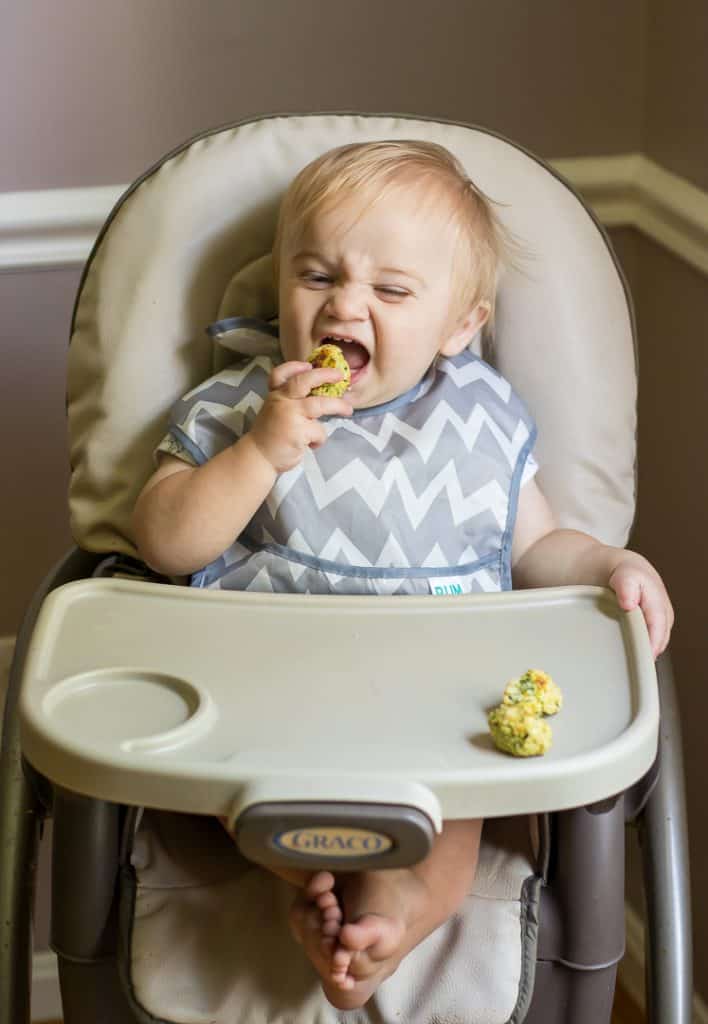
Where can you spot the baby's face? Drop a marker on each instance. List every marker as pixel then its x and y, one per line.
pixel 379 283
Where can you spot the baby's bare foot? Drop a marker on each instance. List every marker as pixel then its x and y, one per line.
pixel 368 951
pixel 315 920
pixel 381 908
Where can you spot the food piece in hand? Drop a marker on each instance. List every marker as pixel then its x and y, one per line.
pixel 536 691
pixel 517 730
pixel 330 357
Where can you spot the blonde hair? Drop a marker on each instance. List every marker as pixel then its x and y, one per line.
pixel 369 171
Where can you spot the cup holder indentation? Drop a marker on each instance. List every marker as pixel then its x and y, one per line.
pixel 135 709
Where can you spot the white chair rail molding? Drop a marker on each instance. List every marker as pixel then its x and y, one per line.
pixel 57 227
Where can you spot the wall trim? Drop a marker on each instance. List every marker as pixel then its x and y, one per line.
pixel 46 996
pixel 634 191
pixel 57 227
pixel 53 228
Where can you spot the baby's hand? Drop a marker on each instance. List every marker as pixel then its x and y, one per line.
pixel 637 584
pixel 288 423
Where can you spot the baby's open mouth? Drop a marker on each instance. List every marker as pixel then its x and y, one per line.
pixel 354 353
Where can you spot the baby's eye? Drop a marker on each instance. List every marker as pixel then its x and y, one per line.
pixel 391 293
pixel 316 279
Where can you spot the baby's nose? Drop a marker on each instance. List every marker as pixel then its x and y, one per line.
pixel 348 302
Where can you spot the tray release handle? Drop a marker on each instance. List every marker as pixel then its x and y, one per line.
pixel 320 824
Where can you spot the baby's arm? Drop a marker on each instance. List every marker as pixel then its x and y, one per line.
pixel 545 556
pixel 186 516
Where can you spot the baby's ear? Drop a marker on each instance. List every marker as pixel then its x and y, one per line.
pixel 466 329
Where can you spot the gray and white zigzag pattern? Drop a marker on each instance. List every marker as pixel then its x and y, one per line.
pixel 425 484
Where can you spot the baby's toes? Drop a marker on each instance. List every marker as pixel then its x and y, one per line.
pixel 331 921
pixel 326 900
pixel 341 962
pixel 379 936
pixel 319 884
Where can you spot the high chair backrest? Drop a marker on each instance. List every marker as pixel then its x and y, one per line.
pixel 188 243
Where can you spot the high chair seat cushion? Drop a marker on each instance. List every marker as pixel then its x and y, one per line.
pixel 207 938
pixel 163 266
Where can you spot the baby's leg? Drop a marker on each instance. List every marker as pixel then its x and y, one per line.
pixel 388 913
pixel 295 876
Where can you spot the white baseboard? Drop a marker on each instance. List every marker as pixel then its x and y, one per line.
pixel 631 969
pixel 46 1000
pixel 57 227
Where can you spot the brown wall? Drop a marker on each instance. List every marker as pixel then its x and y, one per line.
pixel 35 310
pixel 672 301
pixel 672 305
pixel 93 93
pixel 676 111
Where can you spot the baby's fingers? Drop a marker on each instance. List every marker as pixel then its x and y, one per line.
pixel 316 435
pixel 659 617
pixel 298 379
pixel 316 406
pixel 281 374
pixel 646 592
pixel 628 590
pixel 656 608
pixel 657 625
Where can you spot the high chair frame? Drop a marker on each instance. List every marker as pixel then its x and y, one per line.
pixel 580 882
pixel 656 806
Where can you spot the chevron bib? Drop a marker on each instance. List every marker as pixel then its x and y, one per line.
pixel 417 496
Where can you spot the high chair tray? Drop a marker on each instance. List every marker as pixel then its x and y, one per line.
pixel 194 700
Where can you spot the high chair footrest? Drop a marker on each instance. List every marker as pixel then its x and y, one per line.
pixel 341 836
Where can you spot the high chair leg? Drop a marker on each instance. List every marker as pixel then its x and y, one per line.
pixel 663 837
pixel 20 816
pixel 581 934
pixel 84 934
pixel 19 826
pixel 84 877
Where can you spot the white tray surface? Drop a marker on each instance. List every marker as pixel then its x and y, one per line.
pixel 179 698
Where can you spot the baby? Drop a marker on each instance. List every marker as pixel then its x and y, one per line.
pixel 420 479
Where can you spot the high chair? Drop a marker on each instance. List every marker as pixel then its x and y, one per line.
pixel 130 722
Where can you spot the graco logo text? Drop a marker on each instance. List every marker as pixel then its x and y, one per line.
pixel 335 842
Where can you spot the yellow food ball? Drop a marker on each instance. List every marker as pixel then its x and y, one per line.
pixel 516 730
pixel 330 357
pixel 536 691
